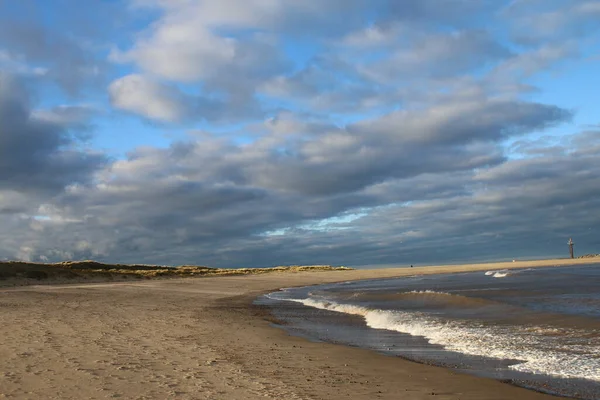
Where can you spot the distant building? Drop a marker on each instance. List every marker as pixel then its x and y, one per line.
pixel 571 247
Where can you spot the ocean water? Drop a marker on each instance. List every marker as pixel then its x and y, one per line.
pixel 538 328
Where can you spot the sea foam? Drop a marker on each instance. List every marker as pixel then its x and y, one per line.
pixel 499 274
pixel 533 351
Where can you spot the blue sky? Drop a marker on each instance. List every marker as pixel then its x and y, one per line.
pixel 188 131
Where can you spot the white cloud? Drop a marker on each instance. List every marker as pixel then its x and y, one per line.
pixel 181 51
pixel 142 95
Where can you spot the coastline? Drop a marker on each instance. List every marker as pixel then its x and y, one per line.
pixel 201 338
pixel 20 273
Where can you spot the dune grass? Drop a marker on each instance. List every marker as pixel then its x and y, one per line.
pixel 589 256
pixel 83 270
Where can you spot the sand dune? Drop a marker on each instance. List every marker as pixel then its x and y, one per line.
pixel 18 273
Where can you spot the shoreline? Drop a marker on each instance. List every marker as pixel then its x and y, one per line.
pixel 375 374
pixel 267 313
pixel 91 272
pixel 264 313
pixel 203 338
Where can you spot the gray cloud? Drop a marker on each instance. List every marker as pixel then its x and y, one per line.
pixel 36 154
pixel 40 157
pixel 214 201
pixel 449 12
pixel 518 208
pixel 438 56
pixel 64 46
pixel 278 15
pixel 446 124
pixel 55 58
pixel 554 19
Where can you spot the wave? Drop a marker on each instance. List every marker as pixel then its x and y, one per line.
pixel 533 349
pixel 420 299
pixel 499 274
pixel 430 292
pixel 503 273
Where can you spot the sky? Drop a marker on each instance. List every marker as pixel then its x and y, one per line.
pixel 248 133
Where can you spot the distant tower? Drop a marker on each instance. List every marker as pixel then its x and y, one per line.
pixel 571 247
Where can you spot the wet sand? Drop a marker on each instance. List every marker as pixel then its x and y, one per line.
pixel 201 338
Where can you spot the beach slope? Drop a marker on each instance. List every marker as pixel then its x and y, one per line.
pixel 200 338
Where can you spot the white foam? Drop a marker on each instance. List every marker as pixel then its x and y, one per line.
pixel 429 292
pixel 499 274
pixel 536 352
pixel 503 273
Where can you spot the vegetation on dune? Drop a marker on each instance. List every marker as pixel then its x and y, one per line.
pixel 589 256
pixel 92 269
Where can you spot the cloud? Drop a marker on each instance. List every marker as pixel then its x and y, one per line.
pixel 450 137
pixel 447 123
pixel 16 64
pixel 509 210
pixel 554 20
pixel 328 84
pixel 141 95
pixel 274 15
pixel 342 131
pixel 500 216
pixel 364 57
pixel 41 156
pixel 527 64
pixel 43 53
pixel 161 102
pixel 219 199
pixel 439 56
pixel 450 12
pixel 184 45
pixel 37 153
pixel 66 114
pixel 392 68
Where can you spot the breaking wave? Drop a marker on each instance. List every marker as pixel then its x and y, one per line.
pixel 499 274
pixel 430 292
pixel 503 273
pixel 534 350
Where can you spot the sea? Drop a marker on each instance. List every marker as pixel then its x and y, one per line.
pixel 538 328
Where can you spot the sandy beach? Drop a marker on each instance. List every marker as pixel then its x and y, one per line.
pixel 201 338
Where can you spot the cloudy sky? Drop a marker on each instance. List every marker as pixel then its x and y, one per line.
pixel 267 132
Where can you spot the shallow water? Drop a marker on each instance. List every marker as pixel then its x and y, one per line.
pixel 536 327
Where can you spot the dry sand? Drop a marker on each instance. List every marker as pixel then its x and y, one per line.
pixel 200 338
